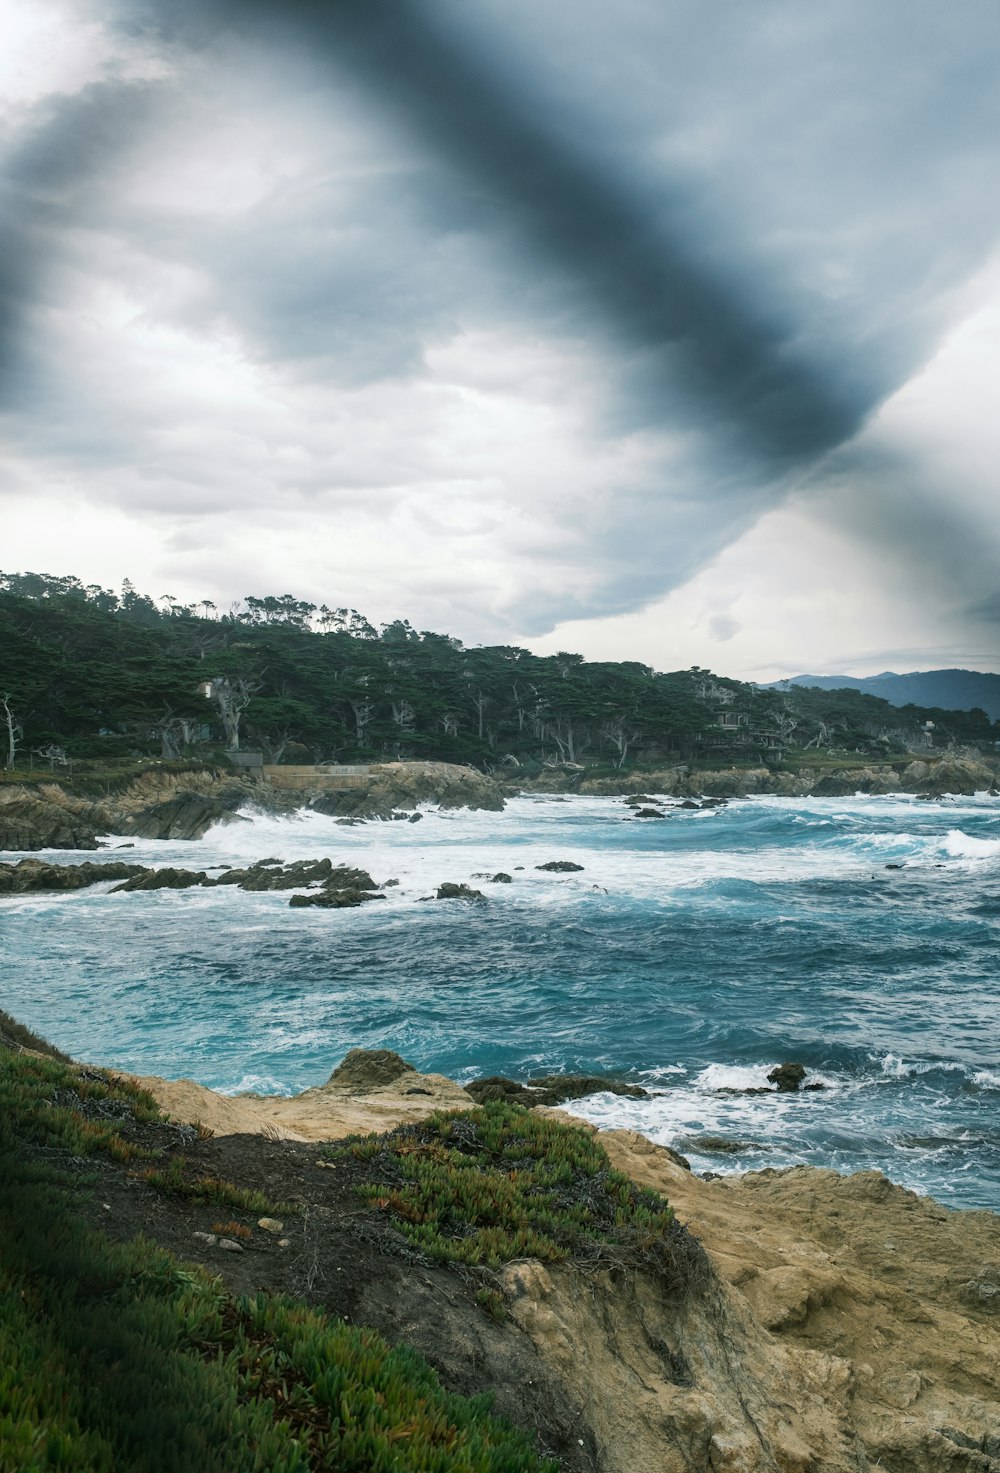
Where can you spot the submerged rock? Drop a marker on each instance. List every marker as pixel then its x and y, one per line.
pixel 718 1145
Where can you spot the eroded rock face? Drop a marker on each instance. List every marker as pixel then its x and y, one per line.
pixel 30 822
pixel 188 816
pixel 395 788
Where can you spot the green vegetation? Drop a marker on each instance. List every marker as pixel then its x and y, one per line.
pixel 115 1358
pixel 94 677
pixel 42 1103
pixel 174 1181
pixel 487 1186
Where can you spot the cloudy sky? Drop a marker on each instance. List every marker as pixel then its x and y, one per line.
pixel 666 331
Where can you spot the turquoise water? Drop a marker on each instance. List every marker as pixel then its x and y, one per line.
pixel 689 955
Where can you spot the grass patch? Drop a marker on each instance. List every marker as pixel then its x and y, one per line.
pixel 173 1180
pixel 488 1186
pixel 15 1035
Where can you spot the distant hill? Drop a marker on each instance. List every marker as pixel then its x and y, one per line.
pixel 950 690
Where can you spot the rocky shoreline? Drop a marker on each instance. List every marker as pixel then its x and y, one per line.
pixel 932 777
pixel 825 1324
pixel 161 804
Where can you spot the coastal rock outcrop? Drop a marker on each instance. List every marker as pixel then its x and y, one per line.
pixel 188 816
pixel 30 875
pixel 31 819
pixel 394 789
pixel 160 802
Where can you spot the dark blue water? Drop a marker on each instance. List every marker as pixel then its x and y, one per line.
pixel 690 955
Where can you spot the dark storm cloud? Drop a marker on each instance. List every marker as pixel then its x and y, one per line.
pixel 55 181
pixel 743 221
pixel 695 339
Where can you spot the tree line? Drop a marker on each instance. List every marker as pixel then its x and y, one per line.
pixel 89 673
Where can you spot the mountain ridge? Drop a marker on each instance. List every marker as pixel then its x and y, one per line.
pixel 951 689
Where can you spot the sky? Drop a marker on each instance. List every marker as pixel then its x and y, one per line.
pixel 663 331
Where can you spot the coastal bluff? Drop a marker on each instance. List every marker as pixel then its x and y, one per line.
pixel 162 803
pixel 838 1323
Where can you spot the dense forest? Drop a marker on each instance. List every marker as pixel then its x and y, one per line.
pixel 88 673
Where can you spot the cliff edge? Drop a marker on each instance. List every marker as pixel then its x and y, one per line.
pixel 832 1323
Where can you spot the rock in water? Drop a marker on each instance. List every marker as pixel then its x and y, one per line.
pixel 35 874
pixel 448 891
pixel 787 1077
pixel 560 866
pixel 164 879
pixel 549 1089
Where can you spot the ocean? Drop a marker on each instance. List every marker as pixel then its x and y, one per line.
pixel 858 937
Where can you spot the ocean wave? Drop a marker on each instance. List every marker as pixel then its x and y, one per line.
pixel 965 846
pixel 256 1084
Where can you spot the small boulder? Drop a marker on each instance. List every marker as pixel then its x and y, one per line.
pixel 500 878
pixel 560 866
pixel 649 813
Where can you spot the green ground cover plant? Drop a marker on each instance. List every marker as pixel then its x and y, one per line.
pixel 483 1187
pixel 43 1100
